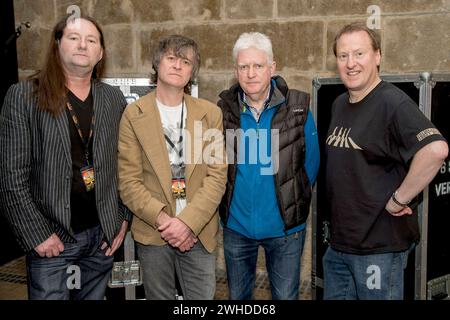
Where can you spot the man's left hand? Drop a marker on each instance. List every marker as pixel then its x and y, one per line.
pixel 117 240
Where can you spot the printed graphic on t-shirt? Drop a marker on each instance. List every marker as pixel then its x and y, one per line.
pixel 426 133
pixel 340 138
pixel 174 149
pixel 172 124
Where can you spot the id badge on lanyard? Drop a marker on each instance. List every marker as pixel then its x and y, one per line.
pixel 178 188
pixel 87 173
pixel 178 177
pixel 178 182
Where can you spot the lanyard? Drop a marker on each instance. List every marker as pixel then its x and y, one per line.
pixel 180 153
pixel 77 126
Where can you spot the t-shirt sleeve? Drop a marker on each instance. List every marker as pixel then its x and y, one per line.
pixel 412 130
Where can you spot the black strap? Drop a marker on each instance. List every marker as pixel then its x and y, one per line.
pixel 84 140
pixel 180 140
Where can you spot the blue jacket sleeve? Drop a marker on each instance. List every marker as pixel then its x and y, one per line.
pixel 312 155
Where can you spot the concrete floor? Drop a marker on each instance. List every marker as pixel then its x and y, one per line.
pixel 13 280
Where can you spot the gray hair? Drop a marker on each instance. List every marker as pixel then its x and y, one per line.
pixel 255 40
pixel 179 46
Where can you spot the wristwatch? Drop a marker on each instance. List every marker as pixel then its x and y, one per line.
pixel 394 198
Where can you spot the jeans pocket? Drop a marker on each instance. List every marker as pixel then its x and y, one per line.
pixel 405 260
pixel 404 256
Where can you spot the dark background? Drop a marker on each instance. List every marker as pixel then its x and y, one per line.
pixel 8 57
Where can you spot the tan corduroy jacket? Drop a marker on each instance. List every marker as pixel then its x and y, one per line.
pixel 145 174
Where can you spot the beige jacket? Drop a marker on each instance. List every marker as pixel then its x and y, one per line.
pixel 145 175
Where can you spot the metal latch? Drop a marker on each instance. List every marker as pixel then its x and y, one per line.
pixel 125 273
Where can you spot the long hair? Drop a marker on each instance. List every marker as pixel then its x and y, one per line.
pixel 179 46
pixel 50 82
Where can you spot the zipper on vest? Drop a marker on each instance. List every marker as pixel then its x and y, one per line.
pixel 257 129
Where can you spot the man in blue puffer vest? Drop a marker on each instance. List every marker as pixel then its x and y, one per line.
pixel 273 157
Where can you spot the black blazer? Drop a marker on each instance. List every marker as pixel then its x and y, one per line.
pixel 36 165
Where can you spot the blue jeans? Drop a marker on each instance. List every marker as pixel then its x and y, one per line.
pixel 364 277
pixel 282 255
pixel 80 272
pixel 195 270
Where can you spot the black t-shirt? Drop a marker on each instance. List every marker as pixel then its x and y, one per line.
pixel 82 203
pixel 369 147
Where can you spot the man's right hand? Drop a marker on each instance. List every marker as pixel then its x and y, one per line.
pixel 51 247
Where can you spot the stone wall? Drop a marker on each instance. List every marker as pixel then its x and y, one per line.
pixel 415 33
pixel 415 38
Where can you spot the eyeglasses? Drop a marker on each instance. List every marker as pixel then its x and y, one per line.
pixel 243 68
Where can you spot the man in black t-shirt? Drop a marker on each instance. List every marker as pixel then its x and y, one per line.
pixel 381 153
